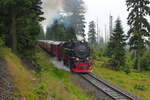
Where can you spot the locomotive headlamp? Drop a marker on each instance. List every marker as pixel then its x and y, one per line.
pixel 77 59
pixel 87 58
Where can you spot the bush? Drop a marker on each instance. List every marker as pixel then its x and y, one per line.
pixel 1 42
pixel 128 64
pixel 97 52
pixel 140 87
pixel 145 60
pixel 102 62
pixel 127 70
pixel 41 90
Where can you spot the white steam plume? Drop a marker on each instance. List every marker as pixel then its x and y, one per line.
pixel 50 9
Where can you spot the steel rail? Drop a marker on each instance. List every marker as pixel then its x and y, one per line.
pixel 112 91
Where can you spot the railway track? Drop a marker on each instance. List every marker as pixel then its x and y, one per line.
pixel 112 91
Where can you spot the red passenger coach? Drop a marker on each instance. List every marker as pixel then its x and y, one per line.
pixel 53 48
pixel 75 54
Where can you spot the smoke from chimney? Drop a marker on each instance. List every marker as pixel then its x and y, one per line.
pixel 50 9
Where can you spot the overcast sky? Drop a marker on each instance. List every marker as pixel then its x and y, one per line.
pixel 101 9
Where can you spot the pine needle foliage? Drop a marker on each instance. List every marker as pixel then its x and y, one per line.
pixel 92 33
pixel 116 47
pixel 139 10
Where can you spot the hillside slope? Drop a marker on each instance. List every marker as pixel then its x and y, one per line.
pixel 7 88
pixel 48 84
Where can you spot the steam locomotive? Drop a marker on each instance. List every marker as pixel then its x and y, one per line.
pixel 75 54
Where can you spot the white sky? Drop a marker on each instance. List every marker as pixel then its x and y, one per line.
pixel 101 9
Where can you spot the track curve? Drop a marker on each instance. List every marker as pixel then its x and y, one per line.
pixel 112 91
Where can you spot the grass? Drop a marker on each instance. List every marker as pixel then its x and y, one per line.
pixel 138 83
pixel 59 82
pixel 24 80
pixel 50 83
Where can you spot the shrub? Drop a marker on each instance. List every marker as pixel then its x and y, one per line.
pixel 1 42
pixel 145 60
pixel 128 64
pixel 140 87
pixel 41 90
pixel 97 52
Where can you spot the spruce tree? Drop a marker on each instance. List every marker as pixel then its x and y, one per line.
pixel 92 33
pixel 76 18
pixel 41 36
pixel 57 31
pixel 139 27
pixel 51 33
pixel 70 33
pixel 20 19
pixel 116 46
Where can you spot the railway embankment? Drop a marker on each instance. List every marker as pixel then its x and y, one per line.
pixel 46 83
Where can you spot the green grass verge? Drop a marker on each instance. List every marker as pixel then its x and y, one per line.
pixel 50 83
pixel 59 82
pixel 138 83
pixel 24 80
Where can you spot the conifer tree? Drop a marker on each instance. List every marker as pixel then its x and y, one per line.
pixel 41 35
pixel 92 33
pixel 21 23
pixel 116 46
pixel 57 31
pixel 76 10
pixel 51 32
pixel 139 27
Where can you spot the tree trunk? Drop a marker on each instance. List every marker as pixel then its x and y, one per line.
pixel 138 62
pixel 13 33
pixel 135 58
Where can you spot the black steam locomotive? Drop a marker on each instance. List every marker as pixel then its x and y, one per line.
pixel 75 54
